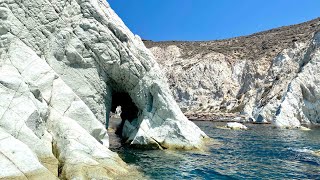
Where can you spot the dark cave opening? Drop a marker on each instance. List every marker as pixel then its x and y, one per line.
pixel 129 111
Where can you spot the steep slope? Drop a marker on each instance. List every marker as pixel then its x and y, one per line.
pixel 64 65
pixel 300 103
pixel 246 75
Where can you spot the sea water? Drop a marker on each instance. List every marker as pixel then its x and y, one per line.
pixel 261 152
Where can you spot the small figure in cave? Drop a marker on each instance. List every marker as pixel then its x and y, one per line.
pixel 129 110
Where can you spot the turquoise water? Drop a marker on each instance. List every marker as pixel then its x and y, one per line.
pixel 259 153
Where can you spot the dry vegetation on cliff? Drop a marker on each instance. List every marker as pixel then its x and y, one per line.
pixel 266 44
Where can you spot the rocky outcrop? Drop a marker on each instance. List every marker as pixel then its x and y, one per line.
pixel 236 126
pixel 301 101
pixel 64 65
pixel 268 76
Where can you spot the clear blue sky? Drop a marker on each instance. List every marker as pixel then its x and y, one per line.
pixel 160 20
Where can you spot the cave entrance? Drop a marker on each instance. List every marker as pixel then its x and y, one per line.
pixel 129 111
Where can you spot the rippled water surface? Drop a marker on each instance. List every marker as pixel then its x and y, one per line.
pixel 259 153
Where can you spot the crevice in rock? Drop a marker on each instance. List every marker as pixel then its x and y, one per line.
pixel 56 153
pixel 150 102
pixel 161 147
pixel 129 111
pixel 118 33
pixel 308 56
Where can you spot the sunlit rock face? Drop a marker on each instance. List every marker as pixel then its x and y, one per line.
pixel 265 77
pixel 301 101
pixel 62 66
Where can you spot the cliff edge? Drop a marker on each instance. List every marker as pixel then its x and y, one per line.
pixel 265 77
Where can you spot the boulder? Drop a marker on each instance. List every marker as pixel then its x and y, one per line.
pixel 236 126
pixel 302 128
pixel 316 153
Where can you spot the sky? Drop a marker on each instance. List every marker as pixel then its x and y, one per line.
pixel 193 20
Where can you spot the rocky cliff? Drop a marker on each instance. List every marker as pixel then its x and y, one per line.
pixel 64 65
pixel 265 77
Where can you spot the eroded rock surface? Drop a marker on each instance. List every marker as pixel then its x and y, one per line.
pixel 268 76
pixel 61 64
pixel 236 126
pixel 301 101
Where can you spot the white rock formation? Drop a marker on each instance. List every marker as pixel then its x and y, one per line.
pixel 61 64
pixel 282 70
pixel 301 102
pixel 268 77
pixel 201 82
pixel 17 161
pixel 236 126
